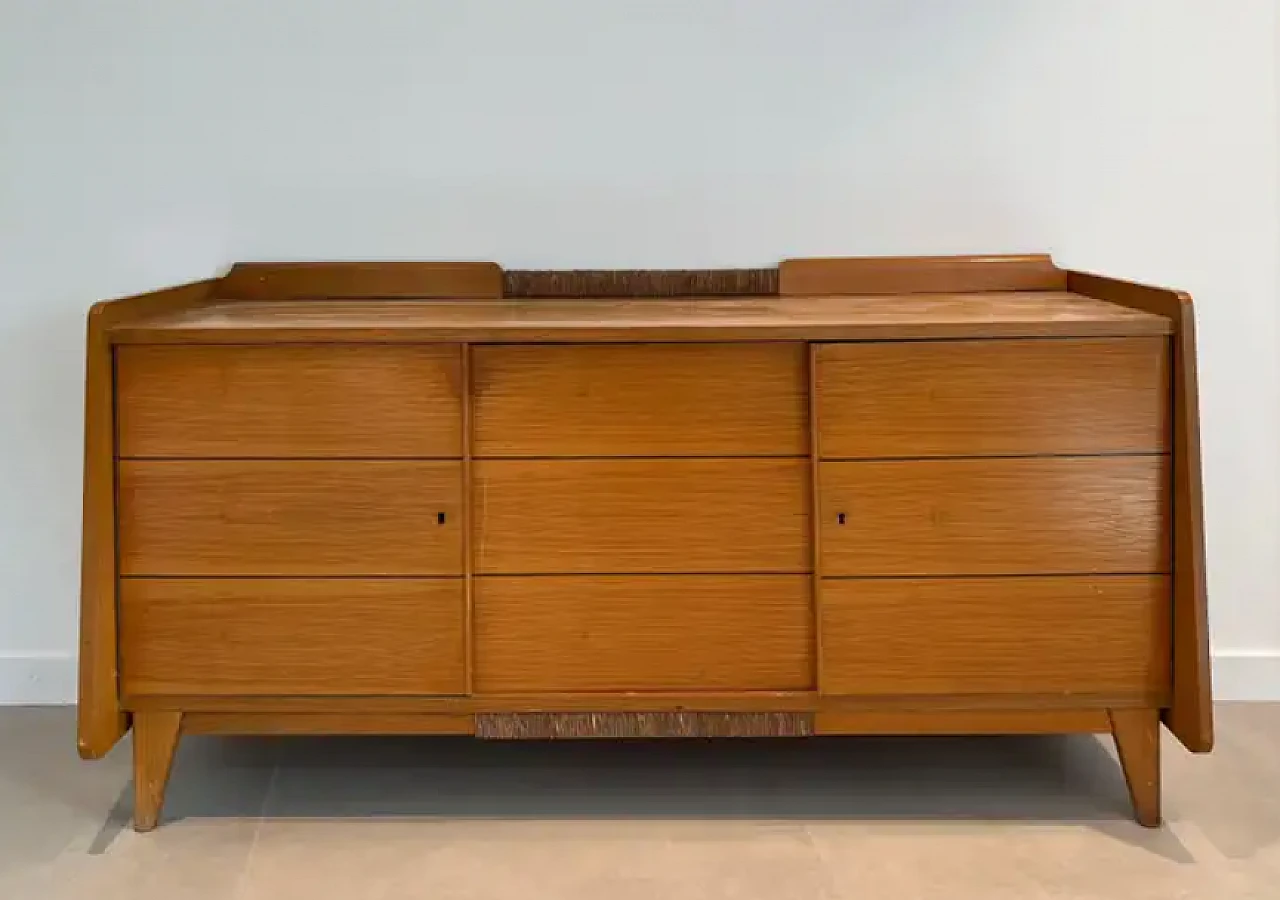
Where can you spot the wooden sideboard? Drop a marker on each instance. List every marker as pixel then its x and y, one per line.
pixel 839 496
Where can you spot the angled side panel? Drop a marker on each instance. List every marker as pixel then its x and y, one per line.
pixel 1190 713
pixel 101 722
pixel 919 275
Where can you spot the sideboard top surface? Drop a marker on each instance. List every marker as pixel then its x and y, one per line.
pixel 707 318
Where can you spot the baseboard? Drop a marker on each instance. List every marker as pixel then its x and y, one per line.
pixel 50 678
pixel 37 679
pixel 1247 675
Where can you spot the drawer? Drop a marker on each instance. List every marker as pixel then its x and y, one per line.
pixel 1069 515
pixel 641 400
pixel 306 517
pixel 1073 635
pixel 615 516
pixel 983 398
pixel 283 401
pixel 643 633
pixel 292 636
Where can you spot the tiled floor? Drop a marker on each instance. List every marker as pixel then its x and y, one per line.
pixel 985 818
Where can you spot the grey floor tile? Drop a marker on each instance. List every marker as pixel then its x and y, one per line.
pixel 803 779
pixel 558 860
pixel 64 822
pixel 451 817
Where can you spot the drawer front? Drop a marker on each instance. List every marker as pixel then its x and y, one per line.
pixel 241 517
pixel 1093 634
pixel 641 400
pixel 641 516
pixel 1073 515
pixel 643 633
pixel 281 401
pixel 292 636
pixel 979 398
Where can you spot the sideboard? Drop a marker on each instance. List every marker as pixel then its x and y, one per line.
pixel 837 496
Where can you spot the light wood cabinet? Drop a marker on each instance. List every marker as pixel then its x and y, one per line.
pixel 622 633
pixel 652 400
pixel 839 496
pixel 907 399
pixel 1095 635
pixel 638 516
pixel 333 401
pixel 292 636
pixel 1050 515
pixel 302 517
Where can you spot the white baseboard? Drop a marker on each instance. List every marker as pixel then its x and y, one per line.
pixel 1247 675
pixel 50 678
pixel 37 679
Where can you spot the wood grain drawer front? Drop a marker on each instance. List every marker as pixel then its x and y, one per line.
pixel 984 398
pixel 643 633
pixel 641 400
pixel 292 636
pixel 1068 515
pixel 603 516
pixel 241 517
pixel 1094 634
pixel 283 401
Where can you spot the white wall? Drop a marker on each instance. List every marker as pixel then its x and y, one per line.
pixel 144 144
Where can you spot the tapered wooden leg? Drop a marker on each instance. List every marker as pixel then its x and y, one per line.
pixel 155 738
pixel 1137 736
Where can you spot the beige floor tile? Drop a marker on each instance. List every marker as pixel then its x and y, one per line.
pixel 813 779
pixel 724 864
pixel 894 818
pixel 993 861
pixel 1231 795
pixel 50 799
pixel 572 780
pixel 185 860
pixel 480 859
pixel 64 822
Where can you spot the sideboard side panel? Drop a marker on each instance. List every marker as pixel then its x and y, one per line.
pixel 100 720
pixel 1190 713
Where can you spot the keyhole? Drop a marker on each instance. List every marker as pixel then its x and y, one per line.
pixel 840 518
pixel 439 518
